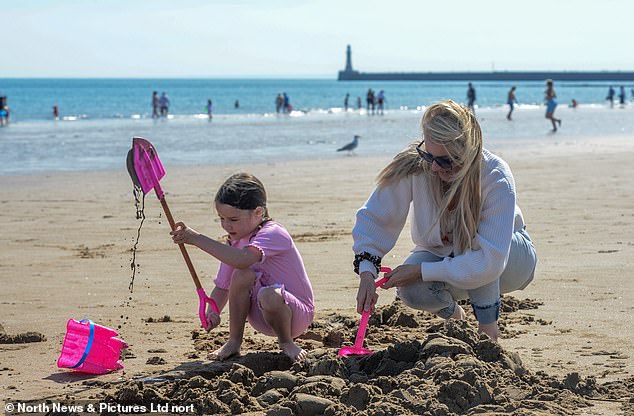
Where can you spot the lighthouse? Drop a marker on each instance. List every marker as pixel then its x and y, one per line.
pixel 348 72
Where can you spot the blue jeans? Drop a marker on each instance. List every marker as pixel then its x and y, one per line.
pixel 440 298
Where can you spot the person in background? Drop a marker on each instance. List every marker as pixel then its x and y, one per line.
pixel 210 109
pixel 345 102
pixel 155 105
pixel 4 111
pixel 164 104
pixel 622 96
pixel 286 103
pixel 236 104
pixel 471 98
pixel 551 104
pixel 55 112
pixel 360 103
pixel 370 103
pixel 279 102
pixel 610 96
pixel 511 100
pixel 469 235
pixel 380 98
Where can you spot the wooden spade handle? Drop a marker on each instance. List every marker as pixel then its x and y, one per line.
pixel 188 261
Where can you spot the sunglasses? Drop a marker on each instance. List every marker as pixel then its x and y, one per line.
pixel 444 162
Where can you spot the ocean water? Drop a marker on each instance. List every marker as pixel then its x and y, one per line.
pixel 33 99
pixel 99 118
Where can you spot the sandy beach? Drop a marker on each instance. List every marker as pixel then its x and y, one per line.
pixel 66 252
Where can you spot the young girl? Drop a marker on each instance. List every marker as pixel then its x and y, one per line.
pixel 261 272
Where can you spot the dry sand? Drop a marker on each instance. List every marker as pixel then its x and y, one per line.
pixel 66 241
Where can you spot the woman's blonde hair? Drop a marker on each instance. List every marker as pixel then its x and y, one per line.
pixel 455 127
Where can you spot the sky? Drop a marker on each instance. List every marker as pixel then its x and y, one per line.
pixel 307 39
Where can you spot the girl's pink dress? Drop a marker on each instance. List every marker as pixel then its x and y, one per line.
pixel 281 267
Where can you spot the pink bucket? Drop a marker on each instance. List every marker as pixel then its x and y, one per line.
pixel 90 348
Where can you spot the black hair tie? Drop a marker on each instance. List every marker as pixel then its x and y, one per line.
pixel 358 258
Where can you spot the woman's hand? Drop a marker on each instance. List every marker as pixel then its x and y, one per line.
pixel 182 234
pixel 366 296
pixel 403 275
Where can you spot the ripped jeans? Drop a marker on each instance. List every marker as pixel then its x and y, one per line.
pixel 440 298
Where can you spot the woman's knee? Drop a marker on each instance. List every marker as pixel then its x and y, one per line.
pixel 432 297
pixel 410 296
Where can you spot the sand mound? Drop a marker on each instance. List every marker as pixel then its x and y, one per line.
pixel 421 366
pixel 23 338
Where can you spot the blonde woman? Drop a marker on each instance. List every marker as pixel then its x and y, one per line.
pixel 469 235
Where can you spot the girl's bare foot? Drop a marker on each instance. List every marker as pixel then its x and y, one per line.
pixel 231 348
pixel 294 352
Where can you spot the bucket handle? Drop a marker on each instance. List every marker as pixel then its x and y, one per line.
pixel 91 337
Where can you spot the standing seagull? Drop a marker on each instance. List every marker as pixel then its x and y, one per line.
pixel 350 146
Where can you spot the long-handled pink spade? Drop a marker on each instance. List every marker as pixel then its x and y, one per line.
pixel 357 348
pixel 146 170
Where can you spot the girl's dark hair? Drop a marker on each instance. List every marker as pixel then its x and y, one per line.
pixel 243 191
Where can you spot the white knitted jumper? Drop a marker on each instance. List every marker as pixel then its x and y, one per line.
pixel 381 219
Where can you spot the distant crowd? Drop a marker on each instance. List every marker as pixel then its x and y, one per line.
pixel 550 99
pixel 375 103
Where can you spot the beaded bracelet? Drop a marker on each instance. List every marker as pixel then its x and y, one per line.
pixel 358 258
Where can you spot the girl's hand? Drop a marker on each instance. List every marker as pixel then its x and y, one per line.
pixel 366 296
pixel 403 275
pixel 213 318
pixel 182 234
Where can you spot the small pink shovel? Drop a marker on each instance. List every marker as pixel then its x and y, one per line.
pixel 357 348
pixel 146 170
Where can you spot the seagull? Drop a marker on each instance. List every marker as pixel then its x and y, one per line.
pixel 350 146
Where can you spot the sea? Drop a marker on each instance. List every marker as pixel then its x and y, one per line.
pixel 99 117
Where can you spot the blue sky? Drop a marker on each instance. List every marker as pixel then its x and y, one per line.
pixel 282 38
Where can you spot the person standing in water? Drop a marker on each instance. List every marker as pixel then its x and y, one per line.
pixel 164 104
pixel 155 105
pixel 471 98
pixel 511 100
pixel 551 104
pixel 610 96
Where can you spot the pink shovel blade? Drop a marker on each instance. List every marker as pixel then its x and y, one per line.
pixel 147 164
pixel 346 351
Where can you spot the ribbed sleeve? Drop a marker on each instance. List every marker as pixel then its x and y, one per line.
pixel 381 220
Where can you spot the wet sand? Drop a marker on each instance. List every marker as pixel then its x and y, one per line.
pixel 566 343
